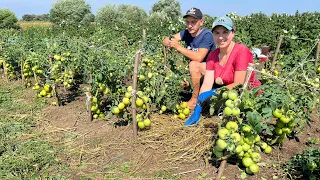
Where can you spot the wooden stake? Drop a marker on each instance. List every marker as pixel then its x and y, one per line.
pixel 144 34
pixel 89 97
pixel 134 87
pixel 221 169
pixel 22 74
pixel 5 70
pixel 248 75
pixel 317 55
pixel 55 94
pixel 276 53
pixel 165 55
pixel 140 45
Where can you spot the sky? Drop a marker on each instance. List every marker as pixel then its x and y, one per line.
pixel 211 7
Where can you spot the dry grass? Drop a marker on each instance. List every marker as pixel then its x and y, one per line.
pixel 180 144
pixel 27 24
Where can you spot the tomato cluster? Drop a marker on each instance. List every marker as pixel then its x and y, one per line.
pixel 284 123
pixel 235 138
pixel 96 100
pixel 142 104
pixel 183 110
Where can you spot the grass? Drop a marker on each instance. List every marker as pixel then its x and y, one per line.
pixel 27 24
pixel 23 155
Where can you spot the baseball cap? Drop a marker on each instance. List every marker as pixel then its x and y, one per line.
pixel 194 12
pixel 224 21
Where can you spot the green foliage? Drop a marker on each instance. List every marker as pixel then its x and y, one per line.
pixel 8 19
pixel 87 19
pixel 33 17
pixel 170 7
pixel 305 165
pixel 122 18
pixel 108 16
pixel 69 12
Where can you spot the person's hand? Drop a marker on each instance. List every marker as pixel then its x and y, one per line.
pixel 174 43
pixel 185 83
pixel 195 117
pixel 205 95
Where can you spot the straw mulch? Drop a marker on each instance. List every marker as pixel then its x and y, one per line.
pixel 179 143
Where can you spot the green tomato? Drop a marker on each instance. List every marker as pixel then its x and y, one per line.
pixel 277 113
pixel 227 111
pixel 231 125
pixel 268 150
pixel 246 128
pixel 254 168
pixel 247 161
pixel 232 95
pixel 223 133
pixel 221 144
pixel 229 103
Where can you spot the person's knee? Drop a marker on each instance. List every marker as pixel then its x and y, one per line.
pixel 194 67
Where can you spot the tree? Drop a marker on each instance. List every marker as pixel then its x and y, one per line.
pixel 8 19
pixel 123 16
pixel 108 15
pixel 69 12
pixel 170 7
pixel 88 18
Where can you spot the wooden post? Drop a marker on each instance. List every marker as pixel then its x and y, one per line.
pixel 221 169
pixel 276 53
pixel 55 94
pixel 248 75
pixel 140 45
pixel 134 87
pixel 22 74
pixel 89 103
pixel 165 55
pixel 144 35
pixel 5 70
pixel 317 55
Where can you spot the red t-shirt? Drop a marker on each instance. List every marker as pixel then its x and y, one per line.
pixel 238 60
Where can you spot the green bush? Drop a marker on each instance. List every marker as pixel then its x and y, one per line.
pixel 170 7
pixel 88 18
pixel 69 12
pixel 129 20
pixel 8 19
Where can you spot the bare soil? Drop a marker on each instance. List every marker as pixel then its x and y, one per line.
pixel 100 150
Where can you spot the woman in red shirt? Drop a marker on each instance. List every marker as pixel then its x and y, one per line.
pixel 226 66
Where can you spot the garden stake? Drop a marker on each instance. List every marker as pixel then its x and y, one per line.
pixel 134 87
pixel 277 51
pixel 317 55
pixel 89 97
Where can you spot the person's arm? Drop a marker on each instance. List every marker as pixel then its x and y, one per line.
pixel 239 77
pixel 199 55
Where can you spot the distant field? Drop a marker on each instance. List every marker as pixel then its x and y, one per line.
pixel 27 24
